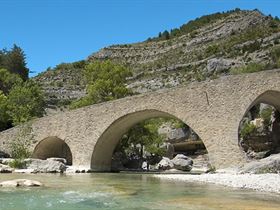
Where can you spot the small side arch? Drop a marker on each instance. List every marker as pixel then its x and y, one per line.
pixel 53 147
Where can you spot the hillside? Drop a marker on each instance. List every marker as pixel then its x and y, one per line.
pixel 233 42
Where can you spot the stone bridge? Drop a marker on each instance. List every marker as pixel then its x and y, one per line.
pixel 213 109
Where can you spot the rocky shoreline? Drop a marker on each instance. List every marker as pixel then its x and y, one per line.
pixel 260 182
pixel 261 175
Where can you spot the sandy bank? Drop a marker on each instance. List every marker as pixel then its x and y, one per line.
pixel 260 182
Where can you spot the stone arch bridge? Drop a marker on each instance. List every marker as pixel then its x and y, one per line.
pixel 213 109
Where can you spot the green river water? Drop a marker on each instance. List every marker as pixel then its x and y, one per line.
pixel 127 191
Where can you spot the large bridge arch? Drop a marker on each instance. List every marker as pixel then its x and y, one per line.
pixel 106 143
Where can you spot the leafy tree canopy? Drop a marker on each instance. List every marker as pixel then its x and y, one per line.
pixel 25 102
pixel 105 81
pixel 8 80
pixel 143 137
pixel 4 117
pixel 14 61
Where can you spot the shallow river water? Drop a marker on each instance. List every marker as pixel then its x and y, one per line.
pixel 128 191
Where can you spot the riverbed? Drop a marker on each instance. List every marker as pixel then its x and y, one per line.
pixel 128 191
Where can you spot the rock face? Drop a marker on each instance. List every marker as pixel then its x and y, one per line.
pixel 182 162
pixel 219 65
pixel 20 183
pixel 45 166
pixel 172 134
pixel 270 164
pixel 216 47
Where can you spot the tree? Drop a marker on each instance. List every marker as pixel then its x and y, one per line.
pixel 8 80
pixel 165 35
pixel 25 102
pixel 105 81
pixel 14 61
pixel 142 137
pixel 4 117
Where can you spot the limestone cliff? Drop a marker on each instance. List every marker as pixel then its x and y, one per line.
pixel 210 46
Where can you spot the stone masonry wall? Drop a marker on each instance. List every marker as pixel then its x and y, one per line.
pixel 213 109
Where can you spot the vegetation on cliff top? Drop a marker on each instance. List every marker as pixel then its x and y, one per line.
pixel 192 25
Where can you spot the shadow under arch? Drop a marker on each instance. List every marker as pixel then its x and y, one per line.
pixel 105 145
pixel 269 97
pixel 53 147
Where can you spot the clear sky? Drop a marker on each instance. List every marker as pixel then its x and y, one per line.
pixel 55 31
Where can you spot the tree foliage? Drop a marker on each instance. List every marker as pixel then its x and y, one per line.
pixel 4 117
pixel 20 100
pixel 142 137
pixel 14 61
pixel 193 25
pixel 25 101
pixel 105 81
pixel 20 146
pixel 247 130
pixel 8 80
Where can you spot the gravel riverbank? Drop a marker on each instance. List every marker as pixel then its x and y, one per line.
pixel 260 182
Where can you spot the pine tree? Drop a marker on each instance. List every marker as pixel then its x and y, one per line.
pixel 14 61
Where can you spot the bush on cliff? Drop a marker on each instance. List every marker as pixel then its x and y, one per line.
pixel 105 81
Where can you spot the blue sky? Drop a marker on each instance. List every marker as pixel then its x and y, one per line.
pixel 55 31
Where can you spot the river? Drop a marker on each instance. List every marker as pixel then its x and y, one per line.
pixel 127 191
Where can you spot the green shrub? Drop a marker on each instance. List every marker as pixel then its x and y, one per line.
pixel 193 34
pixel 250 68
pixel 20 144
pixel 86 101
pixel 17 163
pixel 274 24
pixel 212 50
pixel 266 116
pixel 247 130
pixel 275 55
pixel 251 47
pixel 276 41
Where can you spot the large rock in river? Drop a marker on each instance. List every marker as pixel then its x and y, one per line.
pixel 45 166
pixel 20 183
pixel 165 164
pixel 182 162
